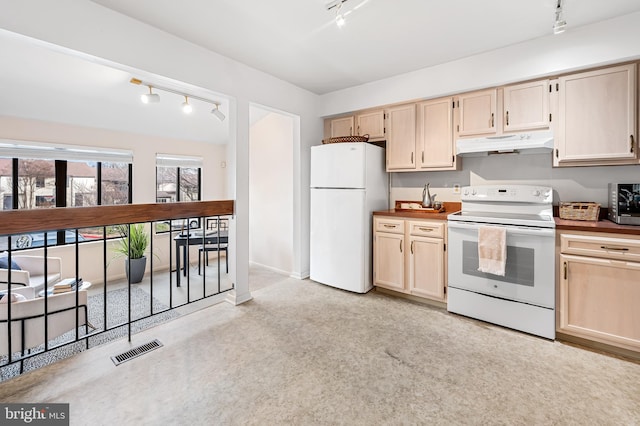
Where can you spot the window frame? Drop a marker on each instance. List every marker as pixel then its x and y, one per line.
pixel 60 173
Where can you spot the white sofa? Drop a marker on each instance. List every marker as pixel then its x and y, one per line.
pixel 27 318
pixel 31 272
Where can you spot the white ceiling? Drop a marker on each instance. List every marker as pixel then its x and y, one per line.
pixel 298 41
pixel 295 40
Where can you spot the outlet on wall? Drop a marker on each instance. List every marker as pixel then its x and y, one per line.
pixel 456 188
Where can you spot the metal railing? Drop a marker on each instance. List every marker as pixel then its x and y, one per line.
pixel 29 328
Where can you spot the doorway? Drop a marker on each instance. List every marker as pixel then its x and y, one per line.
pixel 271 168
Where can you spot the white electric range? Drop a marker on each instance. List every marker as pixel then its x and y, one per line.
pixel 524 298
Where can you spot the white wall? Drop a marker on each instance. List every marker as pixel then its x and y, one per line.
pixel 271 191
pixel 111 38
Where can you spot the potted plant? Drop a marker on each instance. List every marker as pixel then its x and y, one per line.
pixel 132 246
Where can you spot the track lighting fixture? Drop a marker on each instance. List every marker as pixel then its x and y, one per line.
pixel 560 25
pixel 340 17
pixel 186 108
pixel 150 97
pixel 216 111
pixel 337 5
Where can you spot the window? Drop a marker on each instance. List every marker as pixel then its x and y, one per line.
pixel 82 184
pixel 31 172
pixel 178 178
pixel 43 176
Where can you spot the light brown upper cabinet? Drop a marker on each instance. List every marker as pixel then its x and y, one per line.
pixel 342 126
pixel 434 142
pixel 477 113
pixel 371 123
pixel 401 138
pixel 526 106
pixel 597 118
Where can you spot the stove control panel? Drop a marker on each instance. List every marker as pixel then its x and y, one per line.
pixel 508 194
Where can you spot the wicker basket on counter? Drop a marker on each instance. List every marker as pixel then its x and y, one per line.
pixel 580 210
pixel 363 138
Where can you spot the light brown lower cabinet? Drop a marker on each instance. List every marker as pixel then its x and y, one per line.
pixel 599 293
pixel 409 256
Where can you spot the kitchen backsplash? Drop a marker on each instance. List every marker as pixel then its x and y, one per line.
pixel 568 183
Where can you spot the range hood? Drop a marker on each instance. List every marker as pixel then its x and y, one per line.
pixel 539 142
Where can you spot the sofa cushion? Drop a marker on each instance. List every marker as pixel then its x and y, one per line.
pixel 4 263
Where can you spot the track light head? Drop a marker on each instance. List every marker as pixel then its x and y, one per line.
pixel 560 24
pixel 186 108
pixel 216 111
pixel 149 98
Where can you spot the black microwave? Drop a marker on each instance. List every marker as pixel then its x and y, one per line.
pixel 624 203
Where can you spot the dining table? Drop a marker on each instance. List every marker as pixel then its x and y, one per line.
pixel 195 238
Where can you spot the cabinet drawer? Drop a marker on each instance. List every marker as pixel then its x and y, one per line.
pixel 610 248
pixel 427 229
pixel 394 226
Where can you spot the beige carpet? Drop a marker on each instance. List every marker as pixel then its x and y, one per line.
pixel 302 353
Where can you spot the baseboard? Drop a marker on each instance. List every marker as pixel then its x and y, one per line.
pixel 271 268
pixel 302 276
pixel 234 299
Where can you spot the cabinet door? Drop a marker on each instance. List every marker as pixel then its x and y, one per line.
pixel 426 267
pixel 434 145
pixel 526 106
pixel 598 300
pixel 372 124
pixel 597 118
pixel 389 261
pixel 401 141
pixel 478 113
pixel 342 127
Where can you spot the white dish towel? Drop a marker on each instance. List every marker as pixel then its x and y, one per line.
pixel 492 249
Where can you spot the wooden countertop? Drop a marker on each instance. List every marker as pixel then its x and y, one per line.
pixel 449 207
pixel 603 225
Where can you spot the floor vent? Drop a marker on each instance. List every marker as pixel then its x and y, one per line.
pixel 136 352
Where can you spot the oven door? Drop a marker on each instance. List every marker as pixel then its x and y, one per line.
pixel 530 265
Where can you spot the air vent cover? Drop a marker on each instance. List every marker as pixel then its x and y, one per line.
pixel 136 352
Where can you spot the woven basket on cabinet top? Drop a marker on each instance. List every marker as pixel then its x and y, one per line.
pixel 339 139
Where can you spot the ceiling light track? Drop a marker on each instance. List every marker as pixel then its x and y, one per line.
pixel 335 3
pixel 186 107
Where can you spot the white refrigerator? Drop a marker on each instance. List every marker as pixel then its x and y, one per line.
pixel 348 182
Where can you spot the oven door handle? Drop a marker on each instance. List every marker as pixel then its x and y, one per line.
pixel 510 228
